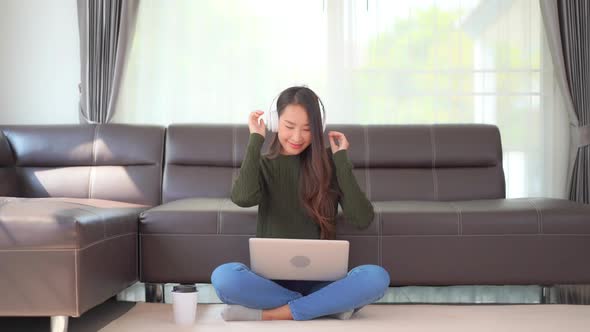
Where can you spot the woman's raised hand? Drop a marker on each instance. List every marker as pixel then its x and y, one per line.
pixel 337 141
pixel 254 125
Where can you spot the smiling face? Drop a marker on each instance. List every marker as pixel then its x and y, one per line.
pixel 294 130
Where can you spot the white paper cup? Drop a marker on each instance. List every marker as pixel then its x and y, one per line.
pixel 184 302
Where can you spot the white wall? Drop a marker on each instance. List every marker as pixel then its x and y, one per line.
pixel 39 62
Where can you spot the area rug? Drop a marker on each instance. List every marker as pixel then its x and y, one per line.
pixel 152 317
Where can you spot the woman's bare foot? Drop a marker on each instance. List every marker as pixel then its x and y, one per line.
pixel 280 313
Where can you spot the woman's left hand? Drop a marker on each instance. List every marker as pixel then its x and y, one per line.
pixel 337 141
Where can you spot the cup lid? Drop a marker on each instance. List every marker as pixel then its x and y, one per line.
pixel 184 289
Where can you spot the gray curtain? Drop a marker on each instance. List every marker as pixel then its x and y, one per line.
pixel 106 30
pixel 568 35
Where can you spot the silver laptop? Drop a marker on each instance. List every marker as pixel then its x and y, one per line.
pixel 296 259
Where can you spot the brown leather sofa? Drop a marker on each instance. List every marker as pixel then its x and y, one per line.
pixel 70 196
pixel 441 213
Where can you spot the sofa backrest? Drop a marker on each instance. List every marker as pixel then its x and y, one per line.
pixel 441 162
pixel 202 160
pixel 391 162
pixel 112 161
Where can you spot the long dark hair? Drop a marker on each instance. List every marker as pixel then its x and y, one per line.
pixel 315 191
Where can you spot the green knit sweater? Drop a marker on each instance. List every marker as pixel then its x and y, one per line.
pixel 273 185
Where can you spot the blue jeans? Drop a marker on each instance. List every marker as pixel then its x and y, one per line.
pixel 235 283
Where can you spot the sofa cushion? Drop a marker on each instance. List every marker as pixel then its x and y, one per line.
pixel 484 217
pixel 199 216
pixel 202 160
pixel 217 216
pixel 561 216
pixel 487 242
pixel 63 223
pixel 208 232
pixel 416 218
pixel 442 162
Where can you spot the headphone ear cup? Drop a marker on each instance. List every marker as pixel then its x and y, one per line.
pixel 272 120
pixel 266 117
pixel 275 121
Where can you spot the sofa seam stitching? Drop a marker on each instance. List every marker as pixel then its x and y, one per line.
pixel 102 218
pixel 233 175
pixel 234 156
pixel 380 237
pixel 539 217
pixel 434 176
pixel 220 207
pixel 162 165
pixel 367 173
pixel 70 249
pixel 76 282
pixel 107 239
pixel 459 219
pixel 93 157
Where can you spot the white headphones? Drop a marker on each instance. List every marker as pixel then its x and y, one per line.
pixel 271 118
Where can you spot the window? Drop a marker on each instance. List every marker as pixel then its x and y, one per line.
pixel 371 61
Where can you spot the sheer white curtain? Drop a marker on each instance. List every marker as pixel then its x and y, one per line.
pixel 371 61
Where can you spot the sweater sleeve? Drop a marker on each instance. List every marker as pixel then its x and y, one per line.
pixel 356 207
pixel 247 189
